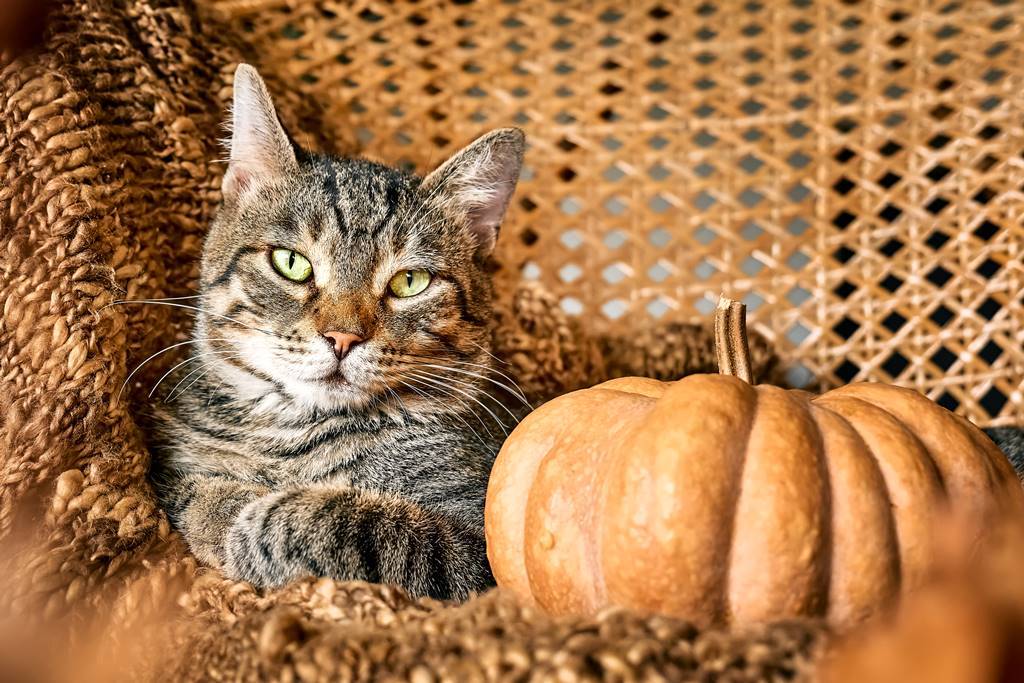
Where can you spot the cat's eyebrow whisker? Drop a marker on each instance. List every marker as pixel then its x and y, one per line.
pixel 425 203
pixel 464 383
pixel 467 395
pixel 159 302
pixel 433 225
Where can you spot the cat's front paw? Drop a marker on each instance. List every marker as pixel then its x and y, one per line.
pixel 261 550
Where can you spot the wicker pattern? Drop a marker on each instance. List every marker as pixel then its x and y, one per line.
pixel 851 170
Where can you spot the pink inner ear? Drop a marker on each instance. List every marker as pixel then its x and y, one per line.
pixel 483 224
pixel 236 179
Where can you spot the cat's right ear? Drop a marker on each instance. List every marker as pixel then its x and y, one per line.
pixel 259 149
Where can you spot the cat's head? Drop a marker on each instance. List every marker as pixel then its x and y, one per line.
pixel 337 281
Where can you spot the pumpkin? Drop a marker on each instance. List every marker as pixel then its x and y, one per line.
pixel 721 502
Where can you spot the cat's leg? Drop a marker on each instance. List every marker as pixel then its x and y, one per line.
pixel 357 535
pixel 203 508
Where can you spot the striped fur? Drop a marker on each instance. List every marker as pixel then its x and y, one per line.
pixel 276 459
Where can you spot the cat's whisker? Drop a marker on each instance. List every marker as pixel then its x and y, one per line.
pixel 517 392
pixel 203 369
pixel 467 395
pixel 213 393
pixel 161 351
pixel 159 302
pixel 488 352
pixel 390 395
pixel 454 397
pixel 185 362
pixel 456 415
pixel 206 368
pixel 163 298
pixel 465 384
pixel 404 408
pixel 228 354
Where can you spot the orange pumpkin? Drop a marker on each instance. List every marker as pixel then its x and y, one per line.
pixel 721 502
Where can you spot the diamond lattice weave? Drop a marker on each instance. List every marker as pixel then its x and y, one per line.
pixel 851 170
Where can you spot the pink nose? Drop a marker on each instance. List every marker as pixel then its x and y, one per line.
pixel 343 341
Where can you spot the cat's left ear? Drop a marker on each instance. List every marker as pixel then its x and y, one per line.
pixel 478 182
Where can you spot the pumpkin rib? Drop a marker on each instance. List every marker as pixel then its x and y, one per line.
pixel 632 386
pixel 725 609
pixel 936 468
pixel 912 481
pixel 866 570
pixel 829 545
pixel 669 496
pixel 571 553
pixel 1000 472
pixel 781 518
pixel 951 440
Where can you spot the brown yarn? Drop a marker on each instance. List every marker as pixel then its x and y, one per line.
pixel 320 630
pixel 108 177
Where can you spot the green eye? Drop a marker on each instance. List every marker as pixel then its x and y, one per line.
pixel 408 283
pixel 291 264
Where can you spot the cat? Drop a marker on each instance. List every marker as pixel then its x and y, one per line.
pixel 347 412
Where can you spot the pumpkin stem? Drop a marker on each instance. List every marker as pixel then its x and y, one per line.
pixel 731 339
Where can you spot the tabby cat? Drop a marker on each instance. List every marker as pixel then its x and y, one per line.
pixel 342 411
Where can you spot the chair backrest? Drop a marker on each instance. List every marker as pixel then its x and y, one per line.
pixel 853 171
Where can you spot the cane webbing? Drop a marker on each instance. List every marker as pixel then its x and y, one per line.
pixel 852 171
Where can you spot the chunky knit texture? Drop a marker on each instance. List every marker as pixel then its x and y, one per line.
pixel 108 178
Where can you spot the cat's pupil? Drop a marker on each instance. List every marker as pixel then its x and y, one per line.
pixel 291 260
pixel 408 278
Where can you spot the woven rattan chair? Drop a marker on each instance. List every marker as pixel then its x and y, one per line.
pixel 851 170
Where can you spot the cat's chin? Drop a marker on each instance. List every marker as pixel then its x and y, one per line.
pixel 332 393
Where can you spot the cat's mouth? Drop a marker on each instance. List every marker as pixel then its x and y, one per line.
pixel 336 379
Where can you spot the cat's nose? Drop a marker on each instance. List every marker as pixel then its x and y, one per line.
pixel 343 341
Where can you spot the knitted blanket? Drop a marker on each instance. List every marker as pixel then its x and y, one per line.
pixel 108 178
